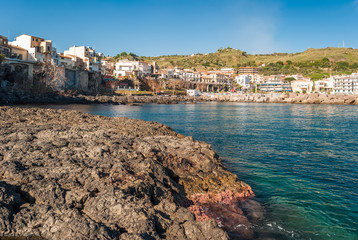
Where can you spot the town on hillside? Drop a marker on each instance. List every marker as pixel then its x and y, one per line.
pixel 33 64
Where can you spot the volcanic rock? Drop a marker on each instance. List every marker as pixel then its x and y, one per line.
pixel 69 175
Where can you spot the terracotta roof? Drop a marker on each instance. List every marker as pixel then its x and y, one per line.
pixel 70 55
pixel 63 56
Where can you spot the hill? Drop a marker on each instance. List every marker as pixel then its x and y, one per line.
pixel 312 61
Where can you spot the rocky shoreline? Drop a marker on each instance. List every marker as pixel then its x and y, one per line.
pixel 17 98
pixel 69 175
pixel 292 98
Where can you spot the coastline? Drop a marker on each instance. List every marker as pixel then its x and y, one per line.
pixel 66 174
pixel 18 98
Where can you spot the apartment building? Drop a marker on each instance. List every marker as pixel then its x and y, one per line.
pixel 190 76
pixel 91 59
pixel 324 85
pixel 275 87
pixel 345 84
pixel 38 49
pixel 248 70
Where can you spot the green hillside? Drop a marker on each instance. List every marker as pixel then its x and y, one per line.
pixel 312 61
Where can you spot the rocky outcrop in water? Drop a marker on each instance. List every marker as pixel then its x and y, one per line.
pixel 68 175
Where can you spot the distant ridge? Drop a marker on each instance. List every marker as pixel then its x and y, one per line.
pixel 229 57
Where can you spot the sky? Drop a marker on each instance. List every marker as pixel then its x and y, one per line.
pixel 167 27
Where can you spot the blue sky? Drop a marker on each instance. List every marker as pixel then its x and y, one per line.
pixel 158 27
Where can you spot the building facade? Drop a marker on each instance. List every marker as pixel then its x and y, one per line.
pixel 39 49
pixel 248 70
pixel 345 84
pixel 243 81
pixel 91 59
pixel 127 68
pixel 302 86
pixel 275 87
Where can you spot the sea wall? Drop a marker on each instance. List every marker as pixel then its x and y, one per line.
pixel 10 97
pixel 314 98
pixel 68 175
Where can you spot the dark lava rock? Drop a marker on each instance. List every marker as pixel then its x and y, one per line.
pixel 68 175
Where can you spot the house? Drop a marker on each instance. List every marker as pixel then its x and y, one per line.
pixel 324 85
pixel 39 49
pixel 243 80
pixel 91 59
pixel 216 78
pixel 4 46
pixel 228 71
pixel 107 67
pixel 127 68
pixel 190 76
pixel 66 62
pixel 19 53
pixel 193 92
pixel 302 86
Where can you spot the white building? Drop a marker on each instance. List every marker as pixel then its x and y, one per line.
pixel 128 68
pixel 302 86
pixel 190 76
pixel 107 67
pixel 193 92
pixel 39 49
pixel 324 85
pixel 346 84
pixel 91 59
pixel 275 87
pixel 227 69
pixel 256 78
pixel 216 78
pixel 243 80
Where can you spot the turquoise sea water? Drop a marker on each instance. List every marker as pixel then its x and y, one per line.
pixel 300 160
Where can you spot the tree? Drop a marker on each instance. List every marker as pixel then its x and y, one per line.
pixel 133 55
pixel 52 77
pixel 290 79
pixel 317 76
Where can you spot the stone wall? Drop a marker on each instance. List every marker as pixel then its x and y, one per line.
pixel 313 98
pixel 83 81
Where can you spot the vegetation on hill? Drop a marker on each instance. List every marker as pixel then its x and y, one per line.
pixel 316 62
pixel 123 55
